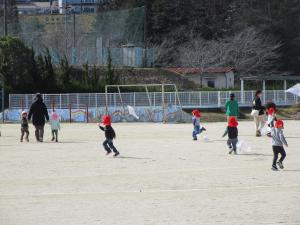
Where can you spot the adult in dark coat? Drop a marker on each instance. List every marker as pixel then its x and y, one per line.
pixel 39 113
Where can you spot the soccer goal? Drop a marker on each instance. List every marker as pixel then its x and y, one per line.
pixel 128 97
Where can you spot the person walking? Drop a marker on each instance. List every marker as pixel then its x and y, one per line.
pixel 232 107
pixel 38 111
pixel 258 113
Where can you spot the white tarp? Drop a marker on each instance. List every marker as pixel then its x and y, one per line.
pixel 132 111
pixel 295 90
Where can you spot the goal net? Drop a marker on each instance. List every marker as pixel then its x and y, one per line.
pixel 131 99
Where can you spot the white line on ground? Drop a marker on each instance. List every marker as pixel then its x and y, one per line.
pixel 154 191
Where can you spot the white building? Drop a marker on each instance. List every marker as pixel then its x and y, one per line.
pixel 220 77
pixel 79 6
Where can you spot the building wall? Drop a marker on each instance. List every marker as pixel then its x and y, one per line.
pixel 220 80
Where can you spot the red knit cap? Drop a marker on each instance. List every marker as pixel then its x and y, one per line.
pixel 232 122
pixel 106 120
pixel 196 113
pixel 271 111
pixel 279 124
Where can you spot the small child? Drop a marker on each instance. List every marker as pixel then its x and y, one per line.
pixel 232 133
pixel 55 126
pixel 24 127
pixel 271 120
pixel 109 135
pixel 196 123
pixel 278 141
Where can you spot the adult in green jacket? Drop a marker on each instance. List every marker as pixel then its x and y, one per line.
pixel 232 107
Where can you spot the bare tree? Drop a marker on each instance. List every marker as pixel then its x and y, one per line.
pixel 248 51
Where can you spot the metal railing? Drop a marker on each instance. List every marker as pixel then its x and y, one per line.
pixel 202 99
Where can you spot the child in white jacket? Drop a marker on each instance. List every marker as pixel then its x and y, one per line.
pixel 55 126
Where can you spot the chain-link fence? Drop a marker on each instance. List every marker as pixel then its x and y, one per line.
pixel 204 99
pixel 87 38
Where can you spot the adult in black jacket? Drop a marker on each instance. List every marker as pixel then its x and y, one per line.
pixel 259 115
pixel 39 113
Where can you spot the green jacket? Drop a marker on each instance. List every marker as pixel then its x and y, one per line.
pixel 232 108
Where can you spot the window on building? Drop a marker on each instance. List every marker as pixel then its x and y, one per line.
pixel 211 83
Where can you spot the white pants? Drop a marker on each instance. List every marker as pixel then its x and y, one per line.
pixel 259 122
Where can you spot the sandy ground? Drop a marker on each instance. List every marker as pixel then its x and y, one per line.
pixel 161 178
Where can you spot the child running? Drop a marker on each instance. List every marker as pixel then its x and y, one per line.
pixel 24 127
pixel 278 141
pixel 55 126
pixel 271 120
pixel 109 135
pixel 232 133
pixel 196 123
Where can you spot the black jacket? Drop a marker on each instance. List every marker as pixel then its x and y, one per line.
pixel 232 132
pixel 39 112
pixel 109 132
pixel 258 106
pixel 24 123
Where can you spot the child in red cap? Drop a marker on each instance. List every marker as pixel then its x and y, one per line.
pixel 109 135
pixel 271 120
pixel 196 122
pixel 232 133
pixel 278 141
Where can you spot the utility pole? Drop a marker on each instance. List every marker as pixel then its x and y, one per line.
pixel 5 17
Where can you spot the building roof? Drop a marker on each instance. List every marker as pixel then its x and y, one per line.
pixel 196 70
pixel 271 77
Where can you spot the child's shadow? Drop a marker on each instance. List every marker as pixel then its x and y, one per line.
pixel 130 157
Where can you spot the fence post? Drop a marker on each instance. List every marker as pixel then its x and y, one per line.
pixel 219 99
pixel 70 113
pixel 133 99
pixel 200 99
pixel 87 113
pixel 77 100
pixel 60 101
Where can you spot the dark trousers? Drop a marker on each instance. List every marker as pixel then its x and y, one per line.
pixel 54 134
pixel 109 146
pixel 39 132
pixel 232 143
pixel 23 132
pixel 278 150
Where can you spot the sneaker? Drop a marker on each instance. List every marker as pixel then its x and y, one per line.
pixel 274 168
pixel 116 154
pixel 56 140
pixel 108 152
pixel 203 129
pixel 195 138
pixel 230 151
pixel 235 152
pixel 280 165
pixel 52 139
pixel 258 134
pixel 27 139
pixel 21 140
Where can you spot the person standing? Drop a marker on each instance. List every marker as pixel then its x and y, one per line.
pixel 232 107
pixel 38 111
pixel 258 113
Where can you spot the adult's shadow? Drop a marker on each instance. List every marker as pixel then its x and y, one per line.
pixel 255 154
pixel 290 170
pixel 130 157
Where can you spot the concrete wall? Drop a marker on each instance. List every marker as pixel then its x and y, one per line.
pixel 145 114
